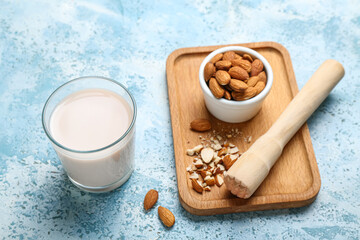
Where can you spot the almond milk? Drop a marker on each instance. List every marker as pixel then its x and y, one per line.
pixel 88 124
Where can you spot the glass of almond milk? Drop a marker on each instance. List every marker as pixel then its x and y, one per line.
pixel 90 122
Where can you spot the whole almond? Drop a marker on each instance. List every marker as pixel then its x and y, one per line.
pixel 245 64
pixel 259 87
pixel 222 77
pixel 237 56
pixel 209 71
pixel 216 58
pixel 196 185
pixel 262 77
pixel 227 95
pixel 166 216
pixel 215 88
pixel 256 67
pixel 247 57
pixel 223 65
pixel 229 55
pixel 238 73
pixel 150 199
pixel 200 125
pixel 252 81
pixel 237 85
pixel 244 95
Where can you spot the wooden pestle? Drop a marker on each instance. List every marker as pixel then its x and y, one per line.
pixel 249 171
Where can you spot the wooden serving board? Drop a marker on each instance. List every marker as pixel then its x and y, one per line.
pixel 294 181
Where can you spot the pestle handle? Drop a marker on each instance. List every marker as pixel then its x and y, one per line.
pixel 249 171
pixel 307 101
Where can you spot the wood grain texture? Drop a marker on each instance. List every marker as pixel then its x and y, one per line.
pixel 294 181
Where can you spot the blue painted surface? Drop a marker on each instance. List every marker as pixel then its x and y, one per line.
pixel 46 43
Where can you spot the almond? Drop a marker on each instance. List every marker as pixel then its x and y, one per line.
pixel 262 77
pixel 150 199
pixel 216 58
pixel 217 171
pixel 247 57
pixel 222 77
pixel 215 88
pixel 237 56
pixel 245 64
pixel 238 73
pixel 196 185
pixel 229 55
pixel 166 216
pixel 198 164
pixel 247 94
pixel 228 162
pixel 223 151
pixel 223 65
pixel 219 180
pixel 200 125
pixel 237 85
pixel 210 181
pixel 207 154
pixel 203 173
pixel 209 71
pixel 252 81
pixel 259 87
pixel 227 95
pixel 256 67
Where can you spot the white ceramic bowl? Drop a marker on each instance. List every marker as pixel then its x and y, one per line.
pixel 230 110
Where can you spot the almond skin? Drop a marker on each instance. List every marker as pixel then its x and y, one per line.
pixel 222 77
pixel 238 85
pixel 248 57
pixel 210 182
pixel 259 87
pixel 223 65
pixel 222 151
pixel 253 81
pixel 262 77
pixel 228 162
pixel 238 73
pixel 215 88
pixel 245 64
pixel 196 186
pixel 217 57
pixel 200 125
pixel 209 71
pixel 227 95
pixel 237 56
pixel 229 55
pixel 256 67
pixel 244 95
pixel 150 199
pixel 166 216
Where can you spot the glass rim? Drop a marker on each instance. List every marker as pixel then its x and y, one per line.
pixel 131 126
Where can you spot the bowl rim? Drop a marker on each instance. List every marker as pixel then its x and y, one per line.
pixel 257 98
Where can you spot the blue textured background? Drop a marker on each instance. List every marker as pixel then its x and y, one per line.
pixel 46 43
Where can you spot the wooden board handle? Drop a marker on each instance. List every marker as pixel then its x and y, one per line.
pixel 246 175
